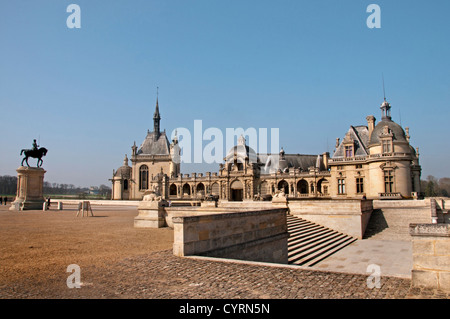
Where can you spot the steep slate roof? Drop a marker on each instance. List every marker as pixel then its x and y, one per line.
pixel 152 147
pixel 301 161
pixel 360 136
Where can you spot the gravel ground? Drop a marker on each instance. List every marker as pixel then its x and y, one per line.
pixel 118 261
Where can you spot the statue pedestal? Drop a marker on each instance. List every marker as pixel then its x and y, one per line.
pixel 151 215
pixel 30 184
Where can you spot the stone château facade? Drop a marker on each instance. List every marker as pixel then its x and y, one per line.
pixel 374 161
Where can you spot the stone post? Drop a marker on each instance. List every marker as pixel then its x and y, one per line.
pixel 30 183
pixel 152 213
pixel 431 256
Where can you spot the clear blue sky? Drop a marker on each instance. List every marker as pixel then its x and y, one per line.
pixel 309 68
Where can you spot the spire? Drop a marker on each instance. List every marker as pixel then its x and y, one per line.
pixel 385 111
pixel 385 106
pixel 156 119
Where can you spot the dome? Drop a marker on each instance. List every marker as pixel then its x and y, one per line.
pixel 242 151
pixel 398 134
pixel 124 170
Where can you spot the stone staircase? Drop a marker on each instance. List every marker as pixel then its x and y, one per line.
pixel 392 223
pixel 310 243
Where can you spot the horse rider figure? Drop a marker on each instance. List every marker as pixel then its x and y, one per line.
pixel 35 146
pixel 34 152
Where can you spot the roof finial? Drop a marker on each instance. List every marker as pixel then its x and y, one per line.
pixel 156 118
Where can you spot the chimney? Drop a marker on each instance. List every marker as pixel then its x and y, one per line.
pixel 371 123
pixel 325 157
pixel 337 143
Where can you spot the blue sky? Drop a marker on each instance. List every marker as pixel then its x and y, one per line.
pixel 309 68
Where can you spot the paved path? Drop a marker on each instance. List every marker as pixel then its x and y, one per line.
pixel 163 275
pixel 394 258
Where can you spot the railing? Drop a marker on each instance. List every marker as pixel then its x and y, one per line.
pixel 395 154
pixel 308 195
pixel 348 159
pixel 389 195
pixel 363 158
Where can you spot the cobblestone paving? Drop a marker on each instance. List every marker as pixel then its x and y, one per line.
pixel 162 275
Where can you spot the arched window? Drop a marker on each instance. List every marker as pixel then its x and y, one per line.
pixel 283 185
pixel 302 187
pixel 125 184
pixel 143 177
pixel 173 190
pixel 322 184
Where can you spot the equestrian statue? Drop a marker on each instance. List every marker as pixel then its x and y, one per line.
pixel 35 152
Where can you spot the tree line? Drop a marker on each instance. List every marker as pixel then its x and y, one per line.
pixel 433 187
pixel 8 186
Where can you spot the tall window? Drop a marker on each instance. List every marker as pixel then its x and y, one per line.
pixel 387 146
pixel 360 185
pixel 341 186
pixel 349 151
pixel 389 181
pixel 143 177
pixel 125 184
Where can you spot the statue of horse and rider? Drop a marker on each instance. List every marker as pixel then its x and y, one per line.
pixel 35 152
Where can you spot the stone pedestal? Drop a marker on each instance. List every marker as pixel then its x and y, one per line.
pixel 151 215
pixel 30 183
pixel 279 200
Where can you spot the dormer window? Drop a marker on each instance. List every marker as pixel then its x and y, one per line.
pixel 349 151
pixel 386 146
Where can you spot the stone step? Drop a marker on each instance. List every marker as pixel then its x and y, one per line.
pixel 309 257
pixel 310 243
pixel 303 228
pixel 298 235
pixel 305 238
pixel 313 243
pixel 325 253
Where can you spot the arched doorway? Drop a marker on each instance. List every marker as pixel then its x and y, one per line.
pixel 322 186
pixel 284 186
pixel 302 187
pixel 237 191
pixel 173 190
pixel 200 189
pixel 186 190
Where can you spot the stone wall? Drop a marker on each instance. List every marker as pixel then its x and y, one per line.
pixel 249 235
pixel 346 216
pixel 431 256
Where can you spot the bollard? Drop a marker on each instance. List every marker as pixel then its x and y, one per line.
pixel 60 206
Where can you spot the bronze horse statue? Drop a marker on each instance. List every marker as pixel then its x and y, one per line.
pixel 37 153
